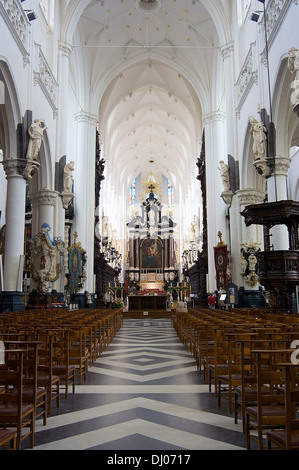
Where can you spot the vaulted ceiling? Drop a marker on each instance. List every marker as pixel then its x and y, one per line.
pixel 149 65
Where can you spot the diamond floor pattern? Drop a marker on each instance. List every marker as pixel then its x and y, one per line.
pixel 143 393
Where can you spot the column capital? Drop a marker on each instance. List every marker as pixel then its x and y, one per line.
pixel 44 196
pixel 20 167
pixel 282 165
pixel 250 196
pixel 213 116
pixel 84 116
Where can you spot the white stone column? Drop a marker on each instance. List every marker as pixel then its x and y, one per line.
pixel 44 205
pixel 216 208
pixel 84 188
pixel 278 181
pixel 15 221
pixel 43 209
pixel 277 191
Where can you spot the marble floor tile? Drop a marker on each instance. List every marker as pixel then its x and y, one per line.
pixel 143 393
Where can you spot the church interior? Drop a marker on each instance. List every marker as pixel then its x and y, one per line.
pixel 149 208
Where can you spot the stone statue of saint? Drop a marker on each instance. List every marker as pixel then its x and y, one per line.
pixel 224 173
pixel 68 179
pixel 151 217
pixel 35 131
pixel 243 264
pixel 258 132
pixel 252 262
pixel 293 66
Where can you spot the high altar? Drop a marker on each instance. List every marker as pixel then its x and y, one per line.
pixel 152 261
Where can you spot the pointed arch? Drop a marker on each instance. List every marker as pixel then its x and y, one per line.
pixel 220 19
pixel 10 115
pixel 284 117
pixel 73 14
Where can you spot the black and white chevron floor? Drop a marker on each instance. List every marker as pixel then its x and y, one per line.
pixel 143 393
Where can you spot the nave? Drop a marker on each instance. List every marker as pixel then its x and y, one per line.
pixel 143 393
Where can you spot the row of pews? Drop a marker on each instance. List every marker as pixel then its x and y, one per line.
pixel 45 352
pixel 248 357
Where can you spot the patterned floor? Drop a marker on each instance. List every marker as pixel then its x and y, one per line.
pixel 144 393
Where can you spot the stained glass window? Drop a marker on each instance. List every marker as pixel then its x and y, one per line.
pixel 133 194
pixel 170 196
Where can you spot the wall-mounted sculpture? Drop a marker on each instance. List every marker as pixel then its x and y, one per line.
pixel 46 260
pixel 227 194
pixel 293 66
pixel 259 134
pixel 249 262
pixel 67 194
pixel 36 132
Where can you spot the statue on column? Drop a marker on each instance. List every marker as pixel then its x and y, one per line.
pixel 258 132
pixel 224 173
pixel 227 194
pixel 68 181
pixel 293 66
pixel 36 132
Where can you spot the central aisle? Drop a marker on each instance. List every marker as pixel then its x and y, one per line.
pixel 143 393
